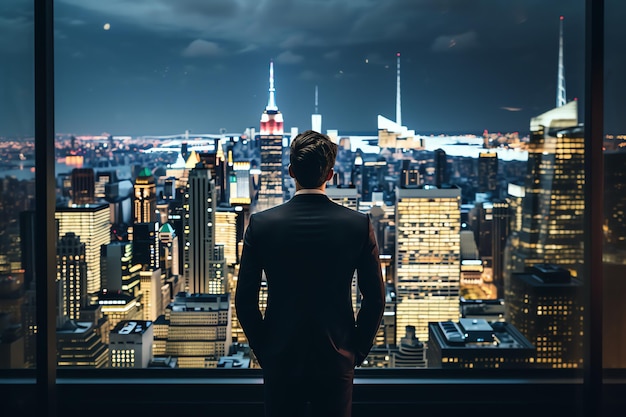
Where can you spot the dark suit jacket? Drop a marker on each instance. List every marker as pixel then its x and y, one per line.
pixel 309 249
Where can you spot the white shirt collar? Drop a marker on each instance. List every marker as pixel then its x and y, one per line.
pixel 309 191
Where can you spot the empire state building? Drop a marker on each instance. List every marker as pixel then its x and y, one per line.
pixel 271 142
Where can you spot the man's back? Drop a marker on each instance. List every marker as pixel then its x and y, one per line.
pixel 308 341
pixel 309 249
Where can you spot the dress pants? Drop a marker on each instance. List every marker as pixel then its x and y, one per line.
pixel 311 393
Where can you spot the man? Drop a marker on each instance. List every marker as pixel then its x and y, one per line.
pixel 309 342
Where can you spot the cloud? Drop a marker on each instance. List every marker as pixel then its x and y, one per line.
pixel 288 57
pixel 467 40
pixel 511 109
pixel 286 23
pixel 200 48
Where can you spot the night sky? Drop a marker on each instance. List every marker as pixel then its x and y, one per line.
pixel 158 67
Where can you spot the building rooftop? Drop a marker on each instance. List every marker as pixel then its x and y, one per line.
pixel 132 327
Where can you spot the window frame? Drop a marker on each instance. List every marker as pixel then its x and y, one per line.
pixel 435 385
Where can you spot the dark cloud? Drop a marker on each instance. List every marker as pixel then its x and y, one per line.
pixel 143 75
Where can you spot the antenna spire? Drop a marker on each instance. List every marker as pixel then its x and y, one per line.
pixel 271 103
pixel 316 100
pixel 398 103
pixel 560 89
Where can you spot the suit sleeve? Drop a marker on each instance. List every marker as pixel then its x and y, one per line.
pixel 372 289
pixel 248 287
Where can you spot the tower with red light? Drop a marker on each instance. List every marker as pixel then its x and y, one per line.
pixel 271 119
pixel 270 140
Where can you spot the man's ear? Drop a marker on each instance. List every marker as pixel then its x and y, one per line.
pixel 331 172
pixel 291 172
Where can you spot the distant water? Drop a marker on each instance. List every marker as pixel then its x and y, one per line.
pixel 26 170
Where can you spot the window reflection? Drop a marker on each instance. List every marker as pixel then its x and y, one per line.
pixel 17 188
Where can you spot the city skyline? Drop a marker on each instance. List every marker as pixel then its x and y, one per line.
pixel 203 67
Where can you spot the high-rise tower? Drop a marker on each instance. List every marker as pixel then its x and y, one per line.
pixel 71 277
pixel 560 89
pixel 271 143
pixel 271 119
pixel 145 197
pixel 199 229
pixel 91 224
pixel 553 206
pixel 428 261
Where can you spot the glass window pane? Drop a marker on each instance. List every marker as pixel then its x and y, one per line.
pixel 614 256
pixel 460 133
pixel 17 186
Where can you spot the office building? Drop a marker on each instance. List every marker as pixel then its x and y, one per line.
pixel 91 224
pixel 477 344
pixel 78 346
pixel 151 293
pixel 144 200
pixel 427 257
pixel 102 180
pixel 226 233
pixel 218 273
pixel 118 271
pixel 146 250
pixel 487 172
pixel 553 206
pixel 545 304
pixel 199 229
pixel 239 183
pixel 71 276
pixel 130 344
pixel 344 196
pixel 501 229
pixel 118 306
pixel 410 174
pixel 198 329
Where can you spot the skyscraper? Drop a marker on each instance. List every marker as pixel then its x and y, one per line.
pixel 553 205
pixel 500 233
pixel 270 140
pixel 146 251
pixel 144 201
pixel 71 276
pixel 199 229
pixel 118 271
pixel 91 224
pixel 427 257
pixel 487 172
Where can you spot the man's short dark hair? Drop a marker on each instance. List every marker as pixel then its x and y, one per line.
pixel 312 157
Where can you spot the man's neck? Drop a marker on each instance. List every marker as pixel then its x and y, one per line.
pixel 320 190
